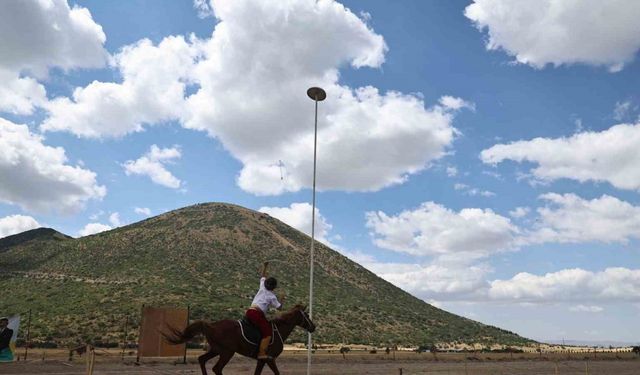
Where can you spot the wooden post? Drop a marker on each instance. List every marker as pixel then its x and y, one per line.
pixel 139 334
pixel 400 370
pixel 124 338
pixel 26 343
pixel 466 370
pixel 586 367
pixel 91 358
pixel 184 358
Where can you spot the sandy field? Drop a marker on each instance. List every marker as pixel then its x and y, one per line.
pixel 111 363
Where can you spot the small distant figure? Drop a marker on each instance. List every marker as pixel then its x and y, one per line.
pixel 264 299
pixel 6 333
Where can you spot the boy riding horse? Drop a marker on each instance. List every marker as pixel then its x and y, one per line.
pixel 264 299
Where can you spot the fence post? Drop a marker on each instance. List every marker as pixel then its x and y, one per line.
pixel 26 343
pixel 184 358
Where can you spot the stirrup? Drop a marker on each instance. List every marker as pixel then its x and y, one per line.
pixel 265 357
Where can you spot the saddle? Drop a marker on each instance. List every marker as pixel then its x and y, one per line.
pixel 251 333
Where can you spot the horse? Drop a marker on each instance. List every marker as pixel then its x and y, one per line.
pixel 225 338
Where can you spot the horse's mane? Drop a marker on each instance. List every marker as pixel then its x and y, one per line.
pixel 285 317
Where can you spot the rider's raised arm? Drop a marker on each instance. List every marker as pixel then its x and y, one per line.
pixel 264 269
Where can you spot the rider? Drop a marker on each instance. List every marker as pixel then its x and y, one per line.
pixel 264 299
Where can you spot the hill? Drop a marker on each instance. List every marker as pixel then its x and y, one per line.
pixel 38 234
pixel 207 256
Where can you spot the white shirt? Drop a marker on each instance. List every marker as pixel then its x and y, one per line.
pixel 265 298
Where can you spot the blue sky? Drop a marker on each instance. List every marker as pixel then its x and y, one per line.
pixel 484 165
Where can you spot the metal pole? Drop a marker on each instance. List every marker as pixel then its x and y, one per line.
pixel 317 94
pixel 26 344
pixel 313 234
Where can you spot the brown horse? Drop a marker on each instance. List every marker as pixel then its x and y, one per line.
pixel 225 339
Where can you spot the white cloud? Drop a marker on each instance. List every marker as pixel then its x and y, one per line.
pixel 594 32
pixel 37 35
pixel 519 212
pixel 142 211
pixel 570 218
pixel 621 284
pixel 585 308
pixel 20 95
pixel 452 171
pixel 93 228
pixel 204 8
pixel 454 103
pixel 152 91
pixel 435 280
pixel 152 164
pixel 13 224
pixel 37 178
pixel 622 110
pixel 611 155
pixel 240 60
pixel 468 190
pixel 114 219
pixel 432 229
pixel 298 215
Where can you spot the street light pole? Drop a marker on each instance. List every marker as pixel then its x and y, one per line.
pixel 317 95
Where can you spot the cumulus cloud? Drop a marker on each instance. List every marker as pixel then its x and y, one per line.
pixel 433 229
pixel 152 165
pixel 20 95
pixel 37 177
pixel 519 212
pixel 594 32
pixel 298 215
pixel 439 281
pixel 152 91
pixel 612 284
pixel 93 228
pixel 13 224
pixel 610 156
pixel 243 58
pixel 203 7
pixel 37 35
pixel 570 218
pixel 142 211
pixel 114 219
pixel 468 190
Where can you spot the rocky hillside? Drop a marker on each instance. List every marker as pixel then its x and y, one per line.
pixel 207 257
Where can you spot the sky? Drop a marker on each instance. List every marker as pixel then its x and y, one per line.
pixel 482 155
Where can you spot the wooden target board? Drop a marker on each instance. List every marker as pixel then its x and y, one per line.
pixel 156 320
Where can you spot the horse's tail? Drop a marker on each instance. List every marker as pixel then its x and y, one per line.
pixel 175 336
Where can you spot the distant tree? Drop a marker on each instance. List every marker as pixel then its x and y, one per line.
pixel 636 350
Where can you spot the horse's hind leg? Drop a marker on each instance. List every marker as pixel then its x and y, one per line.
pixel 204 358
pixel 259 367
pixel 224 359
pixel 273 366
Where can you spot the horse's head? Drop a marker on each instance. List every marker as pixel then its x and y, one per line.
pixel 302 318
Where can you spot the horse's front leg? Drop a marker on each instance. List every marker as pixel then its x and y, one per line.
pixel 273 366
pixel 259 367
pixel 203 360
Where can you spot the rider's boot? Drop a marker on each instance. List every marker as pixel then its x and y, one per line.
pixel 262 350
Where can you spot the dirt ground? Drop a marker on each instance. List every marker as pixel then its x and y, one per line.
pixel 110 363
